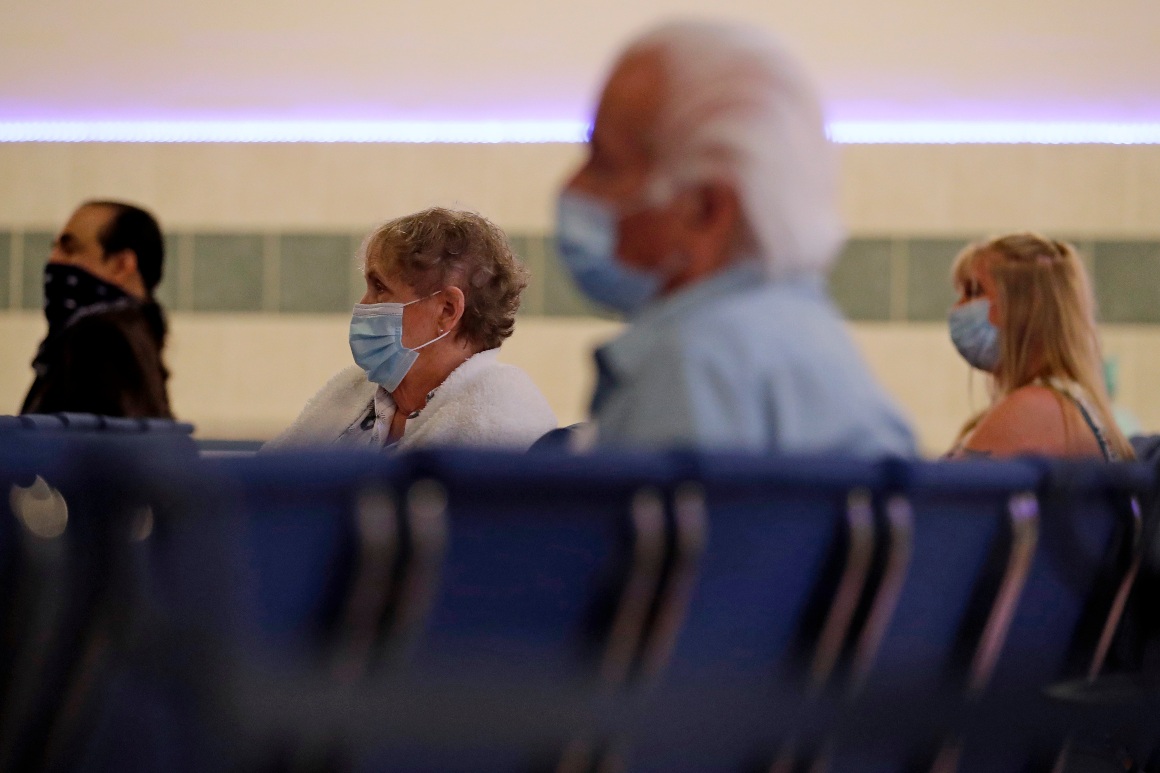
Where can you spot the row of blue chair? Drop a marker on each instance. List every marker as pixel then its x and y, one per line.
pixel 73 424
pixel 90 422
pixel 461 610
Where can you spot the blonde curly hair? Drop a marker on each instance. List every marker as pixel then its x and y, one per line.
pixel 439 248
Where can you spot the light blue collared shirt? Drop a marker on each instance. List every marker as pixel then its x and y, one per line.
pixel 740 361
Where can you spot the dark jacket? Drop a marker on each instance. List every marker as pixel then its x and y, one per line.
pixel 107 363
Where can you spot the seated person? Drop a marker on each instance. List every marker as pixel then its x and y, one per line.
pixel 102 353
pixel 442 292
pixel 1025 315
pixel 706 212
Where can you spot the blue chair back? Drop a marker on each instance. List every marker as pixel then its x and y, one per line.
pixel 84 422
pixel 933 611
pixel 70 575
pixel 776 544
pixel 90 422
pixel 243 588
pixel 294 522
pixel 1089 530
pixel 962 523
pixel 776 534
pixel 28 568
pixel 534 560
pixel 453 610
pixel 215 448
pixel 560 440
pixel 41 422
pixel 442 569
pixel 1086 556
pixel 548 573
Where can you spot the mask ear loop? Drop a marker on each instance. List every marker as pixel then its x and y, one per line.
pixel 425 297
pixel 442 333
pixel 433 340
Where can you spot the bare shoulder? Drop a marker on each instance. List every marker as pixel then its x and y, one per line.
pixel 1030 420
pixel 1029 403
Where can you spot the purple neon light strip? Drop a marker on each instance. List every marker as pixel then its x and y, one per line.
pixel 845 132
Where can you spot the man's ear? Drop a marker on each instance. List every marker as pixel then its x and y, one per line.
pixel 123 272
pixel 709 207
pixel 720 208
pixel 452 304
pixel 712 218
pixel 122 265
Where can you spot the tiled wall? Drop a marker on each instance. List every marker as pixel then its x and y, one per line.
pixel 876 279
pixel 273 273
pixel 899 279
pixel 272 230
pixel 217 272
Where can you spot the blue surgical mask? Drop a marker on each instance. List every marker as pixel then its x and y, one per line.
pixel 973 334
pixel 376 341
pixel 586 236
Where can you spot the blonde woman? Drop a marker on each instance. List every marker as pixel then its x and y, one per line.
pixel 1026 316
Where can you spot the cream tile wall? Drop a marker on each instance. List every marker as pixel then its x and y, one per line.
pixel 1100 190
pixel 272 186
pixel 246 375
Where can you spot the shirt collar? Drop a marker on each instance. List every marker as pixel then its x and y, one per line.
pixel 626 353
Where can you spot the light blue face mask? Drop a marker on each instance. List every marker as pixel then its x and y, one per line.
pixel 586 235
pixel 973 334
pixel 376 341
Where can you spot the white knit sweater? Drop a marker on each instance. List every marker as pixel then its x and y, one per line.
pixel 482 403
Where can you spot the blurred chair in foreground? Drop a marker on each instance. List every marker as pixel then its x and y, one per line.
pixel 452 610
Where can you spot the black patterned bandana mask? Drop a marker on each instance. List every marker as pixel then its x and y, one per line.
pixel 71 293
pixel 70 289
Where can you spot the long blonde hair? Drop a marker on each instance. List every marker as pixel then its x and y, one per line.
pixel 1048 326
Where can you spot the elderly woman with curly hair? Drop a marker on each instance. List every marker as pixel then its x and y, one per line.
pixel 442 290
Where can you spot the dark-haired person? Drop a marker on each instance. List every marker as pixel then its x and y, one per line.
pixel 442 292
pixel 102 353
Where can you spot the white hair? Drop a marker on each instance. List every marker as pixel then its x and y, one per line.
pixel 739 109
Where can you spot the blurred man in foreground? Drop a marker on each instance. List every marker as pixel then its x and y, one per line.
pixel 102 353
pixel 706 212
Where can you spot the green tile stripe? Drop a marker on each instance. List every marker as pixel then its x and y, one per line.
pixel 168 289
pixel 1127 281
pixel 36 244
pixel 314 272
pixel 860 281
pixel 227 272
pixel 299 272
pixel 929 292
